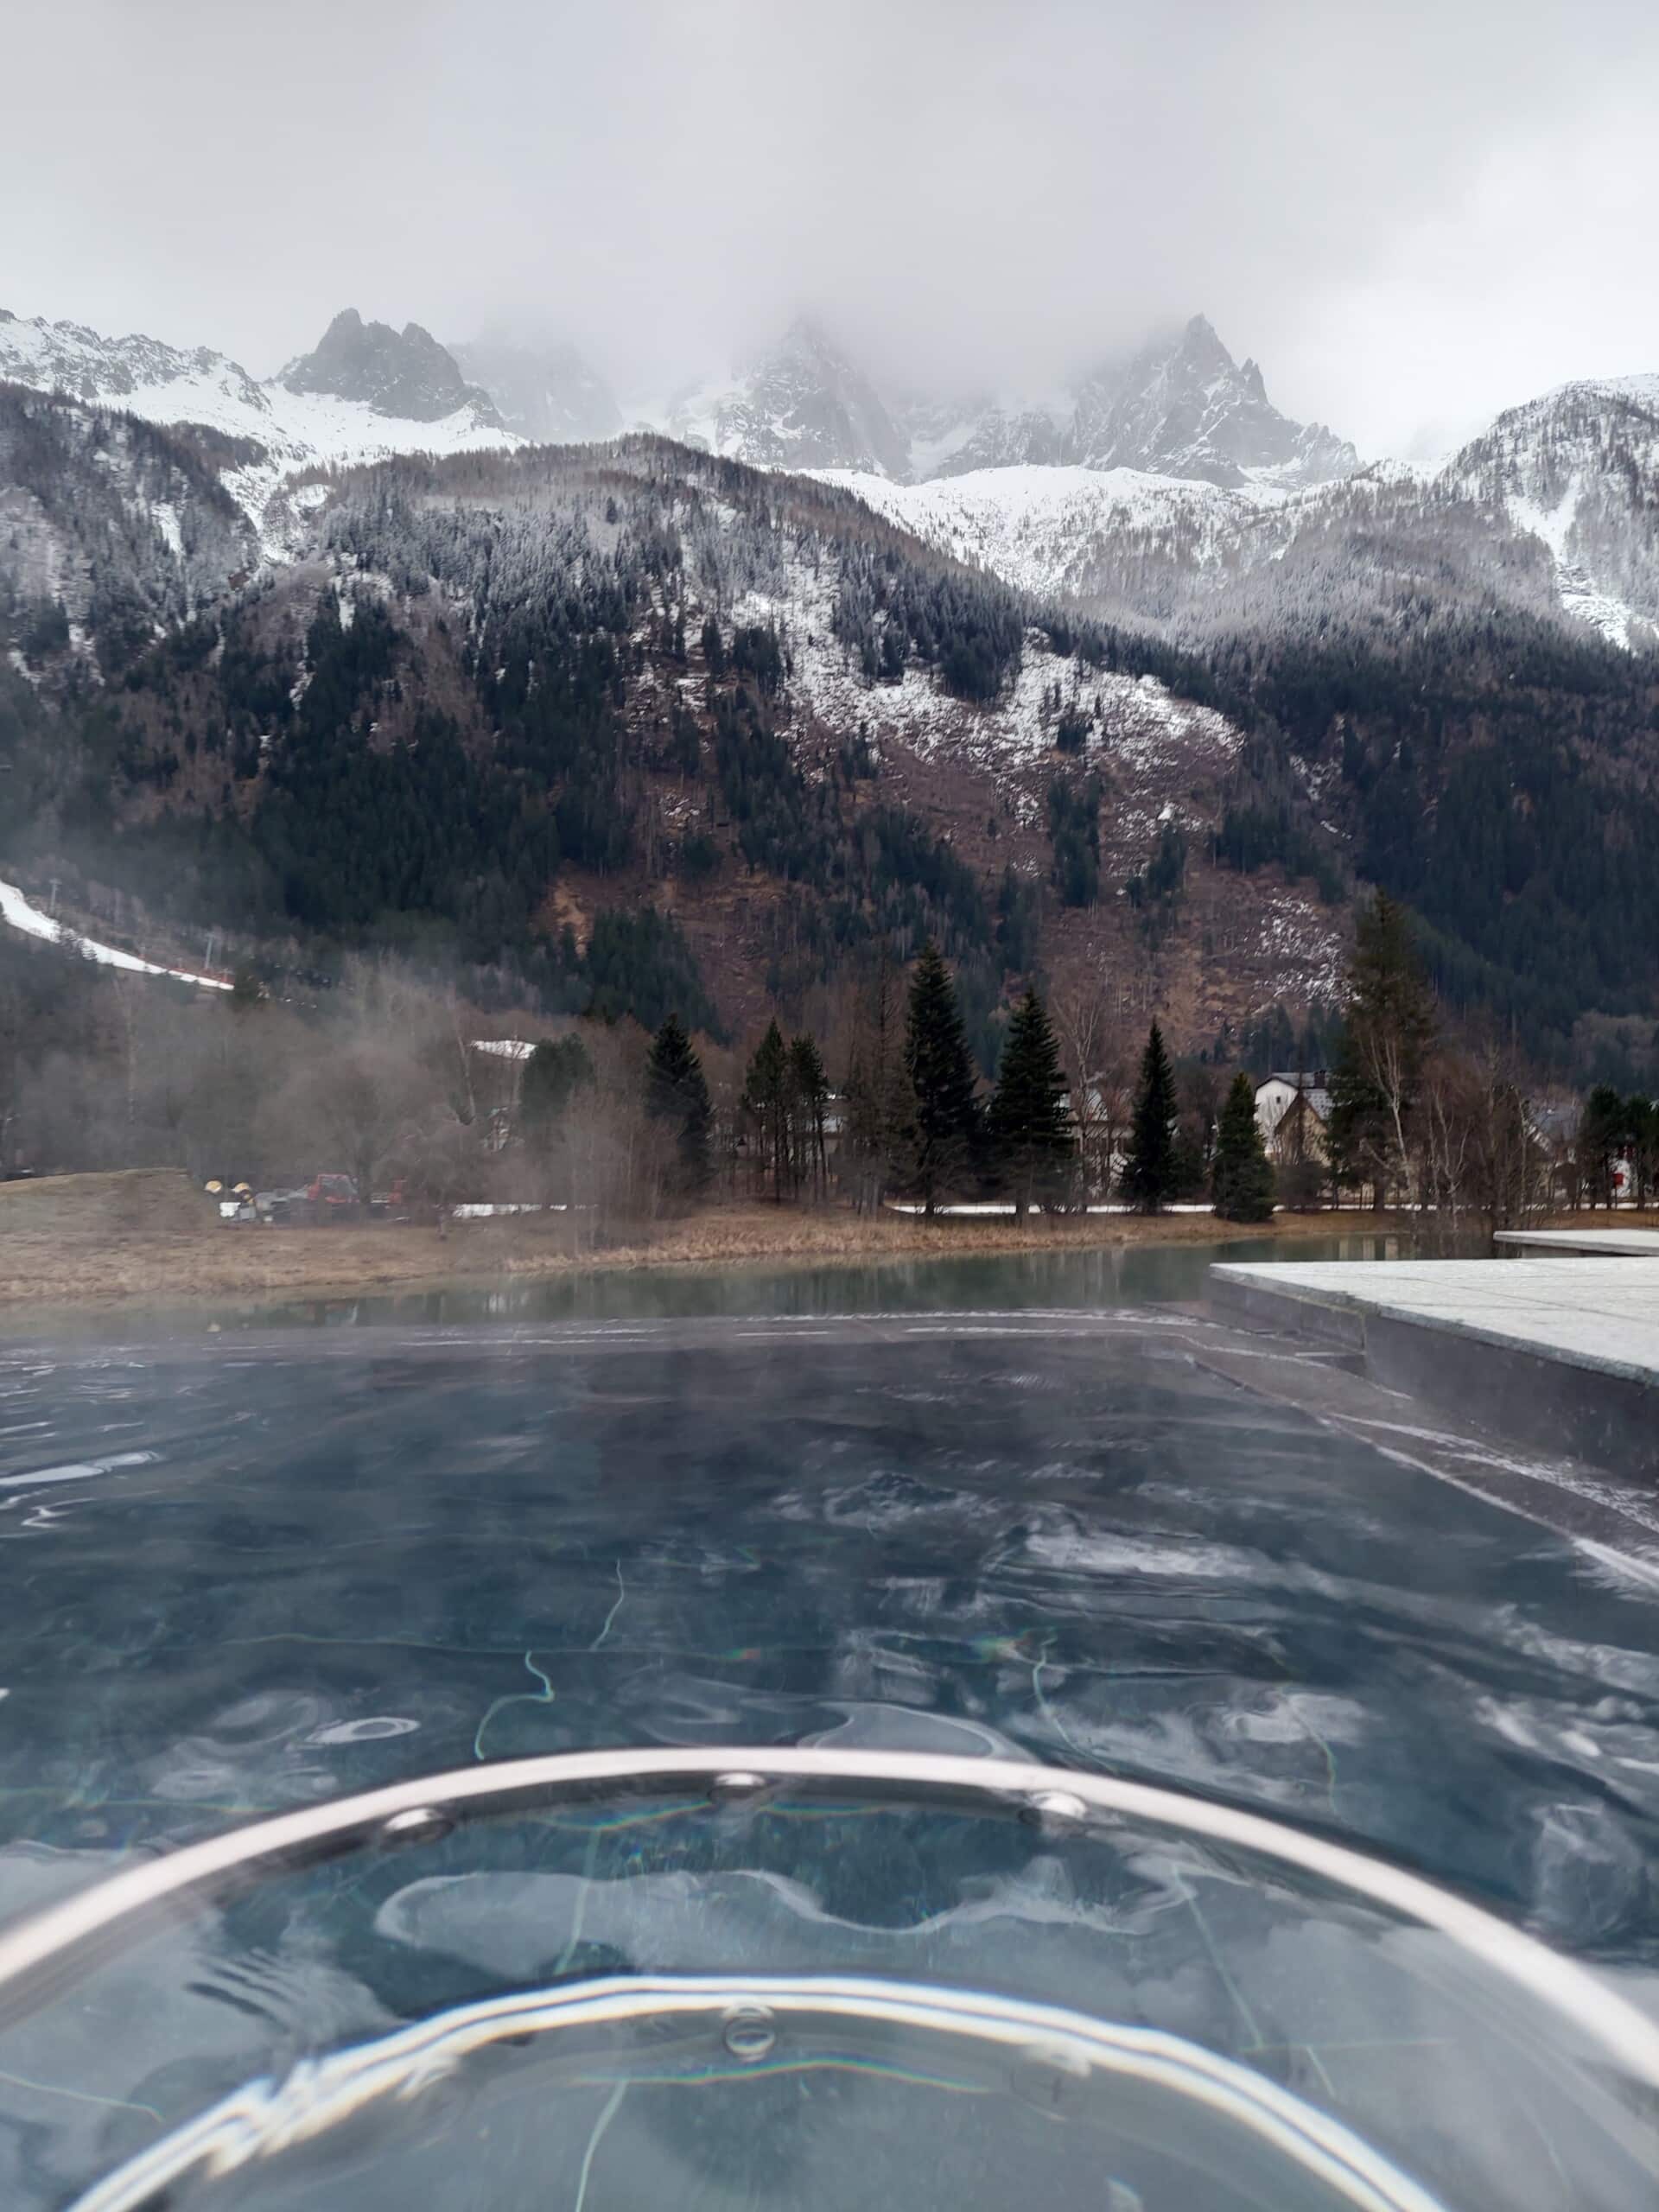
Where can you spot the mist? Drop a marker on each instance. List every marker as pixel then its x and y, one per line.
pixel 1410 216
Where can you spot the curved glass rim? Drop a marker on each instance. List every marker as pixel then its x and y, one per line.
pixel 40 1951
pixel 264 2119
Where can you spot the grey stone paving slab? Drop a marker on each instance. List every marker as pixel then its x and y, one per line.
pixel 1602 1313
pixel 1607 1243
pixel 1562 1352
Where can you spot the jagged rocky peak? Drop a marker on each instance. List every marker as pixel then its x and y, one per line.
pixel 549 394
pixel 405 374
pixel 801 405
pixel 1182 406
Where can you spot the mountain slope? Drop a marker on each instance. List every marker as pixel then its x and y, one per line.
pixel 112 531
pixel 280 431
pixel 1578 470
pixel 632 699
pixel 527 702
pixel 1555 509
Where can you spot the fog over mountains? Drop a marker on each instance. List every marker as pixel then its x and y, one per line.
pixel 1180 406
pixel 1154 483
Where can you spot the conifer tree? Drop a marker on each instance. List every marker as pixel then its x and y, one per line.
pixel 678 1096
pixel 1027 1123
pixel 809 1096
pixel 1604 1131
pixel 1243 1184
pixel 945 1137
pixel 766 1100
pixel 1149 1172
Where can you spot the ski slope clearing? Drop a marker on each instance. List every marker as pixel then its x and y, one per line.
pixel 21 914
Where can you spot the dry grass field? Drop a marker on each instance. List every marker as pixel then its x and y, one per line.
pixel 75 1241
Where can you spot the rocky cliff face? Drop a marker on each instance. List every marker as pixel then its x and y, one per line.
pixel 1187 409
pixel 405 373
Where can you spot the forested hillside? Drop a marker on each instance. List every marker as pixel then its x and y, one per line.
pixel 641 730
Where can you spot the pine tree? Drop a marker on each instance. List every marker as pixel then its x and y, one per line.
pixel 1604 1131
pixel 766 1100
pixel 1029 1129
pixel 809 1096
pixel 678 1096
pixel 1148 1175
pixel 1242 1184
pixel 944 1138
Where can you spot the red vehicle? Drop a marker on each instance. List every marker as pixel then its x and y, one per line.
pixel 332 1198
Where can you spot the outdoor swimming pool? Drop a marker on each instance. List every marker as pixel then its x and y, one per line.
pixel 263 1571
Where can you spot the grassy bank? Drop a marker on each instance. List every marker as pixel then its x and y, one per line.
pixel 63 1264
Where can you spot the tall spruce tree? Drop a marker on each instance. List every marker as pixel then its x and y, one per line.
pixel 944 1134
pixel 1029 1128
pixel 1149 1172
pixel 1243 1184
pixel 677 1095
pixel 766 1100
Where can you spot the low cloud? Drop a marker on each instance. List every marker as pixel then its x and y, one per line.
pixel 1411 216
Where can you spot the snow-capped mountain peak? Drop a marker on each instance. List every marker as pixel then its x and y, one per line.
pixel 1185 408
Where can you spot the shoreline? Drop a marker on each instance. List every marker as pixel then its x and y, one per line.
pixel 89 1256
pixel 66 1270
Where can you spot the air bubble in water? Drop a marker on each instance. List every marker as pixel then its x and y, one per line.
pixel 749 2032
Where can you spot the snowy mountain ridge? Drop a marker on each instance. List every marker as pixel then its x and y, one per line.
pixel 1181 407
pixel 283 428
pixel 1576 472
pixel 1147 489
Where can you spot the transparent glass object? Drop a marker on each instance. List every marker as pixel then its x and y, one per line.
pixel 811 1979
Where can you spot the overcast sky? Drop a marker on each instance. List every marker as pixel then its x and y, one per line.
pixel 1411 215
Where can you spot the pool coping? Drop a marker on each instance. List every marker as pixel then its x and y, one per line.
pixel 1499 1368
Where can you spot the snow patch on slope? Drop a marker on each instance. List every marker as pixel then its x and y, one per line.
pixel 1139 721
pixel 22 915
pixel 1039 527
pixel 1578 592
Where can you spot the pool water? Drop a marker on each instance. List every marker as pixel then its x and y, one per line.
pixel 266 1570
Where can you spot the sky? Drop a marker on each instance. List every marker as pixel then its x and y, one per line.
pixel 1411 215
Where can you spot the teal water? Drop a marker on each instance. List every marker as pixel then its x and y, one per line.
pixel 999 1508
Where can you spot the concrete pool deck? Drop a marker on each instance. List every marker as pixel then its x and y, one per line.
pixel 1604 1243
pixel 1563 1355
